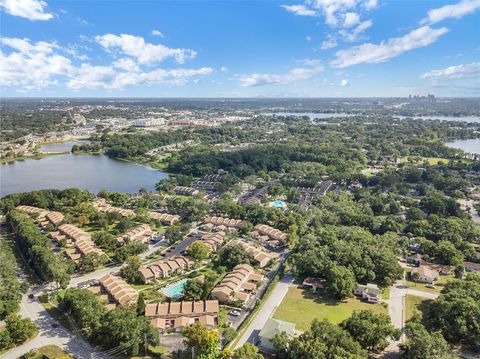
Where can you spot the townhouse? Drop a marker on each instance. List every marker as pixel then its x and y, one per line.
pixel 214 240
pixel 222 223
pixel 185 191
pixel 115 291
pixel 164 218
pixel 273 237
pixel 262 258
pixel 102 206
pixel 176 316
pixel 142 233
pixel 165 268
pixel 237 285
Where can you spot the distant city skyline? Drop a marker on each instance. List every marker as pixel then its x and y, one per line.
pixel 311 48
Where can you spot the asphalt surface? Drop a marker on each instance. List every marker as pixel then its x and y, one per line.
pixel 275 298
pixel 47 334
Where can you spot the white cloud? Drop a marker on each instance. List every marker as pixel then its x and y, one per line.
pixel 223 69
pixel 376 53
pixel 299 10
pixel 311 68
pixel 455 11
pixel 329 43
pixel 157 33
pixel 28 9
pixel 345 83
pixel 308 38
pixel 38 65
pixel 145 53
pixel 31 65
pixel 370 4
pixel 453 73
pixel 357 31
pixel 107 77
pixel 351 19
pixel 335 11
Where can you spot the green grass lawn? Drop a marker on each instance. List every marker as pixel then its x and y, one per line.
pixel 411 303
pixel 51 351
pixel 301 306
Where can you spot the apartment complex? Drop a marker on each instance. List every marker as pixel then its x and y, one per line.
pixel 261 256
pixel 115 291
pixel 185 191
pixel 165 268
pixel 82 241
pixel 214 240
pixel 102 206
pixel 164 218
pixel 142 233
pixel 175 316
pixel 222 223
pixel 273 237
pixel 237 285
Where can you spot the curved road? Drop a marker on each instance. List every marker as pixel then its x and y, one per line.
pixel 47 335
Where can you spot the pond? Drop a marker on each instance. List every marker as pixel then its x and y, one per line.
pixel 90 172
pixel 469 146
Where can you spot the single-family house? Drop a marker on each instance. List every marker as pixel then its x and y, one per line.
pixel 314 283
pixel 370 292
pixel 271 328
pixel 425 274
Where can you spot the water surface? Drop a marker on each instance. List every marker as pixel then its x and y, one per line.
pixel 469 146
pixel 91 172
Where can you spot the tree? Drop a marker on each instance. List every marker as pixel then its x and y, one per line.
pixel 19 329
pixel 424 344
pixel 193 290
pixel 370 329
pixel 198 250
pixel 92 261
pixel 175 233
pixel 105 240
pixel 232 255
pixel 6 341
pixel 452 312
pixel 203 342
pixel 247 351
pixel 340 282
pixel 129 271
pixel 322 340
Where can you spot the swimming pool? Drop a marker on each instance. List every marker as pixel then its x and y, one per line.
pixel 279 204
pixel 174 290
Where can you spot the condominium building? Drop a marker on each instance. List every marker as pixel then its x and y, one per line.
pixel 165 268
pixel 175 316
pixel 142 233
pixel 237 285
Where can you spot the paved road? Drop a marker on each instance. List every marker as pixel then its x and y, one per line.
pixel 33 309
pixel 396 310
pixel 269 306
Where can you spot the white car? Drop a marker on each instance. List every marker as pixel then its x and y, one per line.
pixel 235 313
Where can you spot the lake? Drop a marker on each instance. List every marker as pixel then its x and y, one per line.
pixel 314 115
pixel 469 146
pixel 90 172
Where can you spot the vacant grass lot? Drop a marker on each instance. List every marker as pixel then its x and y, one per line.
pixel 50 351
pixel 412 303
pixel 301 306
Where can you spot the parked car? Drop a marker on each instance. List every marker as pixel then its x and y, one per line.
pixel 432 286
pixel 235 313
pixel 54 324
pixel 31 296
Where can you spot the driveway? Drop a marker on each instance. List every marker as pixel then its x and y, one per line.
pixel 269 306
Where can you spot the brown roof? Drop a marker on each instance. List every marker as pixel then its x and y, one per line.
pixel 186 308
pixel 120 290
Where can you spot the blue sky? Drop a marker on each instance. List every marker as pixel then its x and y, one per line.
pixel 304 48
